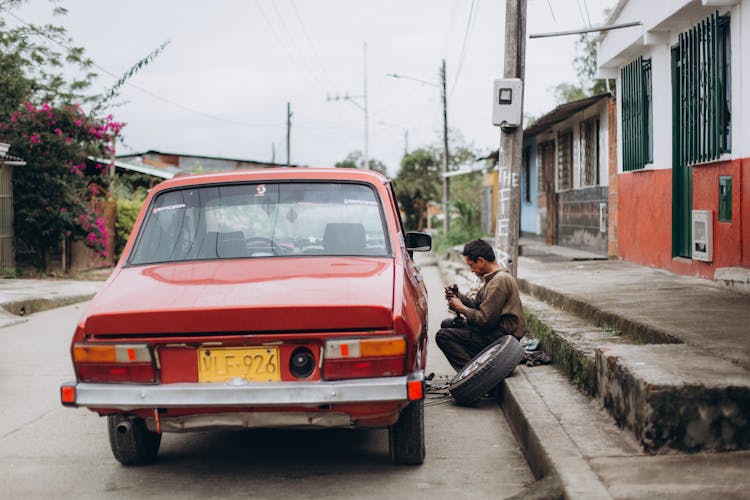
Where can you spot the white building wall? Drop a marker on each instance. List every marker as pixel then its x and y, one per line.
pixel 604 143
pixel 740 28
pixel 663 21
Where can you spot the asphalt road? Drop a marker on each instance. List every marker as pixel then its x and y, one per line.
pixel 47 451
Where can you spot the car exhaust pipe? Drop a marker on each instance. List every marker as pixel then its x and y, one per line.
pixel 124 427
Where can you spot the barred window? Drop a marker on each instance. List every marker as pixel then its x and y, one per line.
pixel 702 86
pixel 546 165
pixel 565 160
pixel 637 115
pixel 589 152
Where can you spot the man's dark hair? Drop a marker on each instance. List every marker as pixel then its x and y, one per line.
pixel 479 248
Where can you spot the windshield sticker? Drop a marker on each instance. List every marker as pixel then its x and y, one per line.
pixel 260 190
pixel 169 207
pixel 369 203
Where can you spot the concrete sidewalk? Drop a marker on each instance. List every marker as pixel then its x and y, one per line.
pixel 661 363
pixel 21 297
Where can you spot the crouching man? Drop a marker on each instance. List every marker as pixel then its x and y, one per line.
pixel 496 311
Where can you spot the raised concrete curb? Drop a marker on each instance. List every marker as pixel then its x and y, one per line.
pixel 548 449
pixel 21 297
pixel 671 395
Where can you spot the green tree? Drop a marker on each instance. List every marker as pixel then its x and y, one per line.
pixel 41 118
pixel 52 193
pixel 356 159
pixel 418 183
pixel 585 66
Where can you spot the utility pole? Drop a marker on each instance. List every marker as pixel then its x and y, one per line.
pixel 363 107
pixel 444 97
pixel 367 134
pixel 288 131
pixel 446 212
pixel 511 143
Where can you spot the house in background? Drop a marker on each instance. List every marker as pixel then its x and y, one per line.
pixel 565 174
pixel 683 154
pixel 186 163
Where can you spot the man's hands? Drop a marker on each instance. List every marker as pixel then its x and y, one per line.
pixel 454 303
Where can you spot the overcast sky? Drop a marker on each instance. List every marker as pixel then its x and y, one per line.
pixel 222 85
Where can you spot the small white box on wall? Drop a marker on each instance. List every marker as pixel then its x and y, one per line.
pixel 703 235
pixel 506 102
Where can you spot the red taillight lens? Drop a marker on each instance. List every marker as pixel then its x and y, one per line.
pixel 68 395
pixel 107 373
pixel 337 369
pixel 108 363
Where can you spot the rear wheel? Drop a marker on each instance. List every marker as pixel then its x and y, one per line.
pixel 406 436
pixel 486 370
pixel 131 441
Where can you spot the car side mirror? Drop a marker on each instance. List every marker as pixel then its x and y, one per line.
pixel 418 242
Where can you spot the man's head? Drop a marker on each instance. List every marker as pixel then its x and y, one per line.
pixel 480 257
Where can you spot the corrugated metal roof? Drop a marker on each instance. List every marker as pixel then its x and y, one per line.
pixel 7 159
pixel 563 112
pixel 163 173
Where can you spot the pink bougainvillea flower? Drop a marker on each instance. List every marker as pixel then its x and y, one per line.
pixel 35 138
pixel 58 131
pixel 77 123
pixel 63 210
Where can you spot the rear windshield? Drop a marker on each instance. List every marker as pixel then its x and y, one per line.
pixel 262 220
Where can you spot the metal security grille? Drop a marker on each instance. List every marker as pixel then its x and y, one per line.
pixel 703 90
pixel 565 160
pixel 589 152
pixel 637 128
pixel 546 162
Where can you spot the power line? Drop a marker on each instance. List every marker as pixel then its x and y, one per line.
pixel 583 17
pixel 588 16
pixel 141 89
pixel 467 34
pixel 549 4
pixel 289 53
pixel 292 41
pixel 318 59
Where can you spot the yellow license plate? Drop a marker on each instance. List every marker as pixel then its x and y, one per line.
pixel 254 364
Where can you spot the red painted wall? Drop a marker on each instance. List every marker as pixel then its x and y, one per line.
pixel 727 235
pixel 645 217
pixel 744 203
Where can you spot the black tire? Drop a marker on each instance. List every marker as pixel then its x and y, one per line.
pixel 406 436
pixel 486 370
pixel 131 441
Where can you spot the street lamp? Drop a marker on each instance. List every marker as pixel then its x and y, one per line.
pixel 444 95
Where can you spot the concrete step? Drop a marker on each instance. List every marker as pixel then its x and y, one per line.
pixel 568 436
pixel 671 396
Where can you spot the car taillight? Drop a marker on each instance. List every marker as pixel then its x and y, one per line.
pixel 114 363
pixel 364 358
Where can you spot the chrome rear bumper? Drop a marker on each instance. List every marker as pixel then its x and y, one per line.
pixel 240 393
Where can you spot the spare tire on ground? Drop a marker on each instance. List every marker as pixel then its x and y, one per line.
pixel 486 370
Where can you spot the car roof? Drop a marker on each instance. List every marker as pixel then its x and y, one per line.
pixel 274 174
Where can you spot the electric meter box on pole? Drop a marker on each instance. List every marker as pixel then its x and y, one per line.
pixel 507 98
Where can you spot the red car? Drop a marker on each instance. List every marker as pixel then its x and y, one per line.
pixel 267 298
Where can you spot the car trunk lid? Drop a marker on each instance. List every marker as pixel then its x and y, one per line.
pixel 247 295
